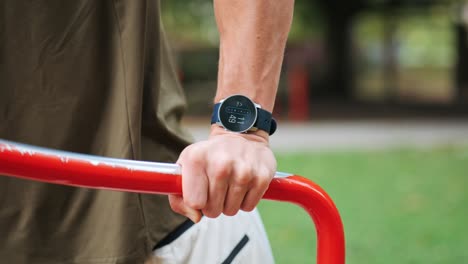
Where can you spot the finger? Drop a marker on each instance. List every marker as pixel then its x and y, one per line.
pixel 240 184
pixel 177 204
pixel 234 199
pixel 220 172
pixel 253 196
pixel 217 195
pixel 194 182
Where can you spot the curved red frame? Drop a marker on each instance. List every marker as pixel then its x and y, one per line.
pixel 76 170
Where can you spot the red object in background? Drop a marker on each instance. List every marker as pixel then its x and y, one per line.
pixel 88 171
pixel 298 89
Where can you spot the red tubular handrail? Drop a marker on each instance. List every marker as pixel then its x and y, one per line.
pixel 88 171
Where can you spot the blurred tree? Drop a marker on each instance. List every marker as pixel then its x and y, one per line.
pixel 192 25
pixel 339 17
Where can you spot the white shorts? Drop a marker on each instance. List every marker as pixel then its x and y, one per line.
pixel 237 239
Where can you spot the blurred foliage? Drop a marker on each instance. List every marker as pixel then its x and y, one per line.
pixel 424 50
pixel 426 40
pixel 192 23
pixel 424 37
pixel 308 21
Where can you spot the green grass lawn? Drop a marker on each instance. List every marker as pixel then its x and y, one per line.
pixel 398 206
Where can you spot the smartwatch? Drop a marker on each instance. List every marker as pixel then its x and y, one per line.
pixel 238 113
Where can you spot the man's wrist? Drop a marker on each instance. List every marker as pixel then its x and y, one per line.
pixel 240 114
pixel 257 136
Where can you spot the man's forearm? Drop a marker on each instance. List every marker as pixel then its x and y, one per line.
pixel 253 36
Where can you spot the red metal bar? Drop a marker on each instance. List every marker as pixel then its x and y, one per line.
pixel 88 171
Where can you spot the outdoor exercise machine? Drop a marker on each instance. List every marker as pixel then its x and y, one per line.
pixel 66 168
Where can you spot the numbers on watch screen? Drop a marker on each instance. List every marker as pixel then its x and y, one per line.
pixel 232 119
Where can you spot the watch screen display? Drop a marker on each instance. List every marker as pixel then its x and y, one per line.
pixel 237 113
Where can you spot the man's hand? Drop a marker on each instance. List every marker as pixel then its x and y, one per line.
pixel 224 174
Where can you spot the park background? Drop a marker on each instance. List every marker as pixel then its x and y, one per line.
pixel 373 106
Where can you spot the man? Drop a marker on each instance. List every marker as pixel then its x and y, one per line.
pixel 95 77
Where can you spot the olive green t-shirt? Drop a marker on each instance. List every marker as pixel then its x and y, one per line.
pixel 93 77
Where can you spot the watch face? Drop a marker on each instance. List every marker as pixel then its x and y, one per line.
pixel 237 113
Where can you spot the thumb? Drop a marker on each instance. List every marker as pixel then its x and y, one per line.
pixel 177 204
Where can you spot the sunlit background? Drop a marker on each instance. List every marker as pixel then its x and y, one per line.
pixel 373 106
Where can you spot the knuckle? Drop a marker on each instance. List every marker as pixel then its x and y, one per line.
pixel 263 181
pixel 190 157
pixel 196 155
pixel 242 181
pixel 221 170
pixel 248 207
pixel 230 211
pixel 266 172
pixel 194 204
pixel 187 151
pixel 211 213
pixel 212 209
pixel 244 177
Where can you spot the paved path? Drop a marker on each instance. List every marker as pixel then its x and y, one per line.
pixel 349 135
